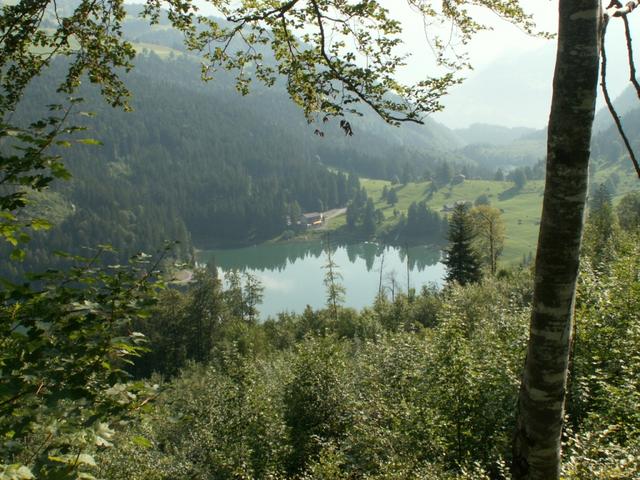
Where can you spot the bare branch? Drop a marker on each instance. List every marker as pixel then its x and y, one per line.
pixel 632 65
pixel 616 9
pixel 607 98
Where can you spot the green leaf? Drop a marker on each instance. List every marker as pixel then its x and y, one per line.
pixel 58 171
pixel 15 472
pixel 53 458
pixel 73 459
pixel 89 141
pixel 18 254
pixel 40 224
pixel 142 442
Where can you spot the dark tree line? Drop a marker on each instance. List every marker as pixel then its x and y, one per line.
pixel 184 165
pixel 362 214
pixel 425 223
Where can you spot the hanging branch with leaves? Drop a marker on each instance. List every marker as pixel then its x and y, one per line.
pixel 335 55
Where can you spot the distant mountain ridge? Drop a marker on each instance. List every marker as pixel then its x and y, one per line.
pixel 515 90
pixel 610 161
pixel 623 104
pixel 484 133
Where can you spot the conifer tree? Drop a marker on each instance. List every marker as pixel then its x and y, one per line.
pixel 392 196
pixel 602 231
pixel 369 218
pixel 600 197
pixel 203 311
pixel 462 261
pixel 332 279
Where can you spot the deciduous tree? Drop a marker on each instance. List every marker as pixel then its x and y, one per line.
pixel 628 211
pixel 490 232
pixel 541 401
pixel 253 290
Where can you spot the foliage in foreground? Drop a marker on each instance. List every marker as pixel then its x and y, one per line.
pixel 64 340
pixel 421 386
pixel 418 387
pixel 372 407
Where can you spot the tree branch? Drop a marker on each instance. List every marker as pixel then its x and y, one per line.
pixel 351 86
pixel 287 37
pixel 263 16
pixel 607 98
pixel 632 65
pixel 616 9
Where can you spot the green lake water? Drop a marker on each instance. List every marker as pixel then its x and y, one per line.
pixel 292 274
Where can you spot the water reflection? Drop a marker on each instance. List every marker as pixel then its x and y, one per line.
pixel 276 257
pixel 292 274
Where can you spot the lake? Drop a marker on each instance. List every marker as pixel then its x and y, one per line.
pixel 292 273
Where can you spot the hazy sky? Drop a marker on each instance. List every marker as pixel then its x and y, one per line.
pixel 511 81
pixel 486 46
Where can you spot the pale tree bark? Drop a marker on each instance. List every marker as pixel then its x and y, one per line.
pixel 542 392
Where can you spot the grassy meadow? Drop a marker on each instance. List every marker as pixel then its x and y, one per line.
pixel 521 209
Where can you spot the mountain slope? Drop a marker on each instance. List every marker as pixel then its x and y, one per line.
pixel 484 133
pixel 201 164
pixel 624 103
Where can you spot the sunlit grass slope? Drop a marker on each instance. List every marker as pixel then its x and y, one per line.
pixel 521 209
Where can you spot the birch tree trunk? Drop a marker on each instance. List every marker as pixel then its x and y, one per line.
pixel 542 392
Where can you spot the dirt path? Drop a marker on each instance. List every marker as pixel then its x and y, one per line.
pixel 329 214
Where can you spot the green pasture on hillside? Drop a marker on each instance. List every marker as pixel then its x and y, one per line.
pixel 521 209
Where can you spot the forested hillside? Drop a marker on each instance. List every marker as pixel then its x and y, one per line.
pixel 198 163
pixel 611 164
